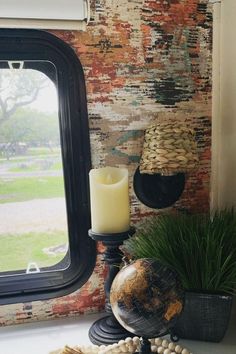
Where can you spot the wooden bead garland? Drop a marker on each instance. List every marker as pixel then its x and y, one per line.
pixel 128 346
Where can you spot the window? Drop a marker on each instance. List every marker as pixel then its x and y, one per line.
pixel 44 163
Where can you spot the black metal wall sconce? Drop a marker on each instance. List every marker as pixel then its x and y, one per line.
pixel 169 152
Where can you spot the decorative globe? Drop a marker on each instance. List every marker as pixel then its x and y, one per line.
pixel 147 298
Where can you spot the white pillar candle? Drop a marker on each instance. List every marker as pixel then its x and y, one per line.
pixel 109 199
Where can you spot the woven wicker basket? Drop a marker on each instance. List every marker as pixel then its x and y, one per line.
pixel 168 149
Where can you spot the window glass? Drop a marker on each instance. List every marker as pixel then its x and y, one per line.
pixel 31 175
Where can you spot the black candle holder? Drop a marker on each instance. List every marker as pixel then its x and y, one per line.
pixel 107 330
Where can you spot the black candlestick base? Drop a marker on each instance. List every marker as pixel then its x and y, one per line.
pixel 107 330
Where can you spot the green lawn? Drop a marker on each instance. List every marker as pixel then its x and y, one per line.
pixel 18 250
pixel 4 161
pixel 22 189
pixel 43 151
pixel 36 166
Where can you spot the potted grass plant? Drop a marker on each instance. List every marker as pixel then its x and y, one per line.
pixel 202 250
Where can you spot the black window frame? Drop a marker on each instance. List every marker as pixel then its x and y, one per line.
pixel 36 45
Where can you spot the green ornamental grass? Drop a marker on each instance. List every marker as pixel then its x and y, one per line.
pixel 201 248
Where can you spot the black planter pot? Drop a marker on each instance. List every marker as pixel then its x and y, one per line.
pixel 205 317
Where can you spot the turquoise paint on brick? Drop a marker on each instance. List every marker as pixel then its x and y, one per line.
pixel 131 158
pixel 130 134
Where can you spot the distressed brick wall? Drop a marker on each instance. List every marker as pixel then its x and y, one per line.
pixel 143 60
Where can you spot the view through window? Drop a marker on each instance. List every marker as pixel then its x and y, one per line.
pixel 33 226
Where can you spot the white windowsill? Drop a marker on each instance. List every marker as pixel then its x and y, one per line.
pixel 43 337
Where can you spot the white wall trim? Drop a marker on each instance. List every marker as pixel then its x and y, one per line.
pixel 214 195
pixel 223 190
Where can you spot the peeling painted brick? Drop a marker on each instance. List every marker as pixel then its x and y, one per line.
pixel 143 60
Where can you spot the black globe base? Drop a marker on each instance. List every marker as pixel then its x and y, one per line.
pixel 145 347
pixel 107 330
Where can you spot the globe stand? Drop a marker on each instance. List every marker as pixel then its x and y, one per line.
pixel 107 330
pixel 145 347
